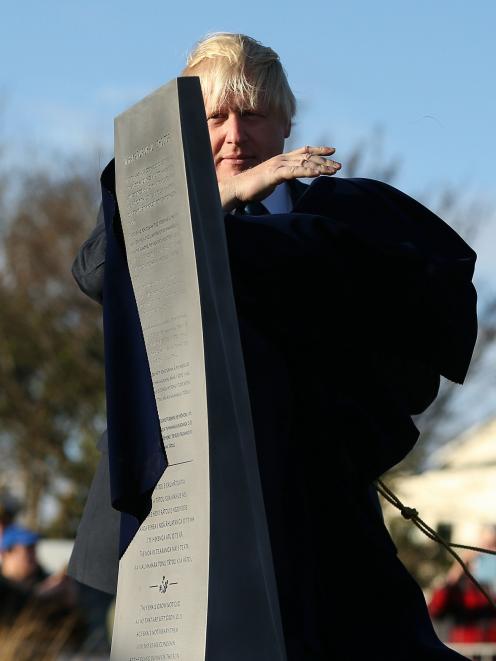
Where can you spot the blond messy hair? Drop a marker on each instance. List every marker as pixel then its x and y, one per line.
pixel 238 71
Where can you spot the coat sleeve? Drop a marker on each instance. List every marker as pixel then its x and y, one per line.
pixel 89 266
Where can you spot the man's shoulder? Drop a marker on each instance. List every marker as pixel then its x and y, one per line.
pixel 353 192
pixel 108 175
pixel 349 185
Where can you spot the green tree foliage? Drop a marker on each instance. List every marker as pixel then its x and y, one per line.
pixel 51 354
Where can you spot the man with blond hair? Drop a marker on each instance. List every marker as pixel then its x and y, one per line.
pixel 352 299
pixel 250 107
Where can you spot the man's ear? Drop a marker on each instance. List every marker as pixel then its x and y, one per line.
pixel 287 131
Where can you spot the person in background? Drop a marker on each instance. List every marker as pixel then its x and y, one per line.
pixel 20 566
pixel 471 618
pixel 19 571
pixel 38 611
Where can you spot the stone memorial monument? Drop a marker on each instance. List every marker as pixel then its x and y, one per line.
pixel 197 580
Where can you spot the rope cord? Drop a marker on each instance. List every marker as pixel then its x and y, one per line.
pixel 412 515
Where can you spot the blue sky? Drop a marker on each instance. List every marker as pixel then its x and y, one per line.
pixel 423 71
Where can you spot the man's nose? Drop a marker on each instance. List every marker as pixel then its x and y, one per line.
pixel 235 128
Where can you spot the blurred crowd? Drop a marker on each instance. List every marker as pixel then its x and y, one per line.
pixel 43 615
pixel 459 606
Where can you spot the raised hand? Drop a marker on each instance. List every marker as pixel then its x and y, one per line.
pixel 259 181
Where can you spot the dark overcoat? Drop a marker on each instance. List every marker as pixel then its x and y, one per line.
pixel 350 309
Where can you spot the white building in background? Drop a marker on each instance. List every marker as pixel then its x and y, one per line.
pixel 54 554
pixel 460 489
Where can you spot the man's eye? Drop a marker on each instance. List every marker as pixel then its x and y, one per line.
pixel 216 117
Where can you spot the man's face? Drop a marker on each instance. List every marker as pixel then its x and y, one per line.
pixel 243 139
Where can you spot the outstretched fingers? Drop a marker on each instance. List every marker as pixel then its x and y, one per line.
pixel 259 181
pixel 308 149
pixel 308 162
